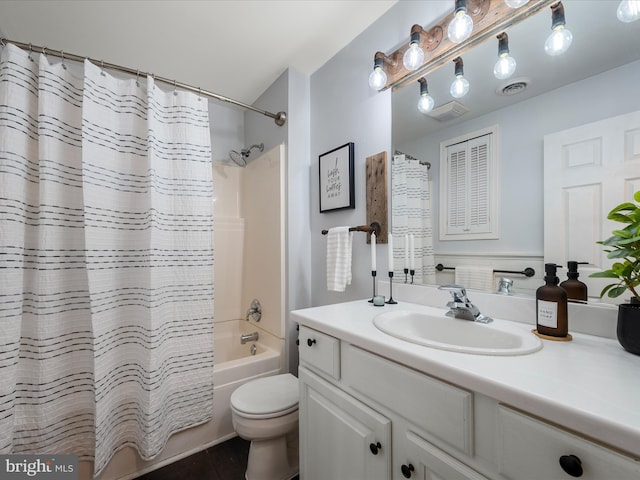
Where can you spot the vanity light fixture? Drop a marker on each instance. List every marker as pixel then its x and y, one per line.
pixel 462 24
pixel 628 11
pixel 460 86
pixel 414 55
pixel 506 65
pixel 515 3
pixel 426 102
pixel 485 20
pixel 560 38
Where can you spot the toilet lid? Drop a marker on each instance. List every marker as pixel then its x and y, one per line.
pixel 268 395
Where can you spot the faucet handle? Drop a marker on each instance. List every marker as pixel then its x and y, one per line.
pixel 458 292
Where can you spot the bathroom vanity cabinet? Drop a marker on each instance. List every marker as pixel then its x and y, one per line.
pixel 365 415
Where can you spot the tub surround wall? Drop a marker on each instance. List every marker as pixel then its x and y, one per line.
pixel 262 199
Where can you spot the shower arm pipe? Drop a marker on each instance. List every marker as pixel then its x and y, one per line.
pixel 280 118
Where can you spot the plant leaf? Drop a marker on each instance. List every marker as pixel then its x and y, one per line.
pixel 616 291
pixel 604 274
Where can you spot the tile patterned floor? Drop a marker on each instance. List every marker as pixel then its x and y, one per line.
pixel 225 461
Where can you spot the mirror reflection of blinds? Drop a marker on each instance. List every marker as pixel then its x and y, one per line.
pixel 468 186
pixel 457 162
pixel 479 183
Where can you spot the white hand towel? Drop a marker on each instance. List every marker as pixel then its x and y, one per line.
pixel 475 277
pixel 339 241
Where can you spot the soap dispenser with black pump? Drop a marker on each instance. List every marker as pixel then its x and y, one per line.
pixel 551 306
pixel 576 290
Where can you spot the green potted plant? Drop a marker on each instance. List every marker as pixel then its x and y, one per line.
pixel 624 247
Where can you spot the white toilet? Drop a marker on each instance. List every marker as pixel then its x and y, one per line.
pixel 265 412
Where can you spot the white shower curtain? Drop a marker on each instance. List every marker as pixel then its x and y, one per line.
pixel 106 261
pixel 411 213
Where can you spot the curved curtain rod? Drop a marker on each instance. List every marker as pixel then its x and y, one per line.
pixel 280 118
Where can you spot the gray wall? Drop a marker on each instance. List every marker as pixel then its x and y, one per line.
pixel 344 109
pixel 290 93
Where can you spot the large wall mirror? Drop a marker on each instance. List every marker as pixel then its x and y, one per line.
pixel 597 78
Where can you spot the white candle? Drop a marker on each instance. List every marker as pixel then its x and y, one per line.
pixel 390 244
pixel 411 253
pixel 406 251
pixel 373 251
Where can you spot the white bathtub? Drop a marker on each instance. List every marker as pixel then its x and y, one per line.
pixel 233 365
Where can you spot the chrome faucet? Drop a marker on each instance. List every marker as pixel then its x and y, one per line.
pixel 249 337
pixel 461 306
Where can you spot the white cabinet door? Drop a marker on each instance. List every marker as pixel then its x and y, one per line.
pixel 532 450
pixel 588 170
pixel 424 461
pixel 340 437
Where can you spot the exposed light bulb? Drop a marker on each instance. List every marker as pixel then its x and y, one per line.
pixel 628 11
pixel 460 27
pixel 560 38
pixel 558 41
pixel 378 78
pixel 426 103
pixel 459 87
pixel 413 57
pixel 504 67
pixel 515 3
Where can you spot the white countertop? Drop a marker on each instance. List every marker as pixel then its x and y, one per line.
pixel 590 385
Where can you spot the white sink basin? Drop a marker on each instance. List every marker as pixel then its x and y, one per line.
pixel 436 330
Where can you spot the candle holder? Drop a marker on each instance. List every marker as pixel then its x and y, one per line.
pixel 391 301
pixel 412 273
pixel 373 275
pixel 406 272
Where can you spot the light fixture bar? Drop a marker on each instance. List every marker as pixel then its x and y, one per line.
pixel 498 18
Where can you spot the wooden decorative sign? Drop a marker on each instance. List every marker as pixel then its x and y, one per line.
pixel 376 184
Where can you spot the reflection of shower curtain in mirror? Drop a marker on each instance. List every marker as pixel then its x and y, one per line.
pixel 411 214
pixel 106 261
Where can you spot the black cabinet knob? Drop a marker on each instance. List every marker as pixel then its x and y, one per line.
pixel 374 447
pixel 571 465
pixel 310 341
pixel 406 470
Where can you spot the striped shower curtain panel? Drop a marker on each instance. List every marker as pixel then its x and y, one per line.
pixel 411 213
pixel 106 261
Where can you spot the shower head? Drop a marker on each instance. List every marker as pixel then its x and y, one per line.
pixel 241 158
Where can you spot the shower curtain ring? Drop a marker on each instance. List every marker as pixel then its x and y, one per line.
pixel 138 77
pixel 44 51
pixel 30 52
pixel 199 94
pixel 2 42
pixel 175 92
pixel 62 63
pixel 102 68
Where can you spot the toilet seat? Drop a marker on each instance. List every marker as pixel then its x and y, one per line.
pixel 266 397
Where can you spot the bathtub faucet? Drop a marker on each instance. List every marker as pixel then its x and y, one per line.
pixel 249 337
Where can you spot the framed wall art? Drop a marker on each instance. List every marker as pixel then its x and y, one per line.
pixel 336 179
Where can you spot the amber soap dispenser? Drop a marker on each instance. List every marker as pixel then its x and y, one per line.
pixel 576 290
pixel 551 305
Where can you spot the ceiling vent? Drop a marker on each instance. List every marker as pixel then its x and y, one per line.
pixel 448 111
pixel 514 87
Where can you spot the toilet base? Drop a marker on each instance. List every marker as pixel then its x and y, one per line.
pixel 271 459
